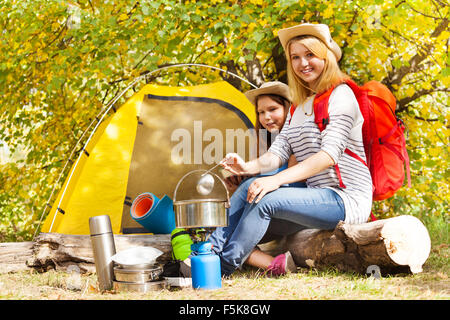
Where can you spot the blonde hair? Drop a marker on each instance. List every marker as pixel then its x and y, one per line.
pixel 331 74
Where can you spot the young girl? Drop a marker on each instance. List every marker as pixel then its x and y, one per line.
pixel 312 58
pixel 272 101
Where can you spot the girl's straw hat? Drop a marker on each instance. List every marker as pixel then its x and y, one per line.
pixel 320 31
pixel 272 87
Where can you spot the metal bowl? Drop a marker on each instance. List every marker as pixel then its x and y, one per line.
pixel 201 213
pixel 137 276
pixel 139 287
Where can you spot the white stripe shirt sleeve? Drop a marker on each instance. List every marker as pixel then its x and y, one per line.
pixel 342 111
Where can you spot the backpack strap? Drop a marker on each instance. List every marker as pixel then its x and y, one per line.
pixel 406 158
pixel 321 116
pixel 320 106
pixel 291 112
pixel 338 173
pixel 354 155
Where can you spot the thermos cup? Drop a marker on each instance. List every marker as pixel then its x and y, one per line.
pixel 102 240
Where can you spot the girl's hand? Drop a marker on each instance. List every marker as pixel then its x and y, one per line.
pixel 260 187
pixel 235 164
pixel 232 182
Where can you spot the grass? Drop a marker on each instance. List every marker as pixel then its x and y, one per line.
pixel 249 284
pixel 433 283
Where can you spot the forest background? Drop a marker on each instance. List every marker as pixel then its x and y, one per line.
pixel 62 61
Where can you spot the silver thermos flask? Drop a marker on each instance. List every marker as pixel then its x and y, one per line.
pixel 103 247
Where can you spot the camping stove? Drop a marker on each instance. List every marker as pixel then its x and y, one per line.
pixel 199 235
pixel 200 213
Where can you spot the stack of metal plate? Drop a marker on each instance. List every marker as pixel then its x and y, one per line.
pixel 138 278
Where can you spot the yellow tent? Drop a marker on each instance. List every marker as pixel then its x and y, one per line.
pixel 147 145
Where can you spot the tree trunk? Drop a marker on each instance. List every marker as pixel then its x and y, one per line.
pixel 394 245
pixel 59 251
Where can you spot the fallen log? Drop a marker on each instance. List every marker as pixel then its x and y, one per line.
pixel 13 256
pixel 61 251
pixel 395 245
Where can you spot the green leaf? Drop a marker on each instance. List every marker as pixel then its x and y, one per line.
pixel 415 155
pixel 397 63
pixel 445 72
pixel 259 35
pixel 251 46
pixel 415 165
pixel 145 8
pixel 433 186
pixel 430 163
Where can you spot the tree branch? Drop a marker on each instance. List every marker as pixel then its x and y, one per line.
pixel 396 75
pixel 232 67
pixel 421 13
pixel 349 32
pixel 403 103
pixel 280 62
pixel 254 72
pixel 426 120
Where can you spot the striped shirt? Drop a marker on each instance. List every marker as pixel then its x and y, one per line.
pixel 302 137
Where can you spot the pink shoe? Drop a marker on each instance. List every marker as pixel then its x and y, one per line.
pixel 282 264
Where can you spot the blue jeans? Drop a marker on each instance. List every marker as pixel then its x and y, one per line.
pixel 316 208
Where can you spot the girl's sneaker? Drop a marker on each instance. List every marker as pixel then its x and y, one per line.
pixel 282 264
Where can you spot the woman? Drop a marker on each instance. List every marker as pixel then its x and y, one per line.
pixel 312 58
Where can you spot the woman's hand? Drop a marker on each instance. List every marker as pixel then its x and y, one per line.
pixel 234 164
pixel 260 187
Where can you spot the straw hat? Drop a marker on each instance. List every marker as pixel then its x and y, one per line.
pixel 320 31
pixel 272 87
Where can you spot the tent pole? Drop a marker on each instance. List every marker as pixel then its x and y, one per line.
pixel 200 65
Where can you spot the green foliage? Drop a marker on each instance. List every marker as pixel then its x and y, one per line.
pixel 62 61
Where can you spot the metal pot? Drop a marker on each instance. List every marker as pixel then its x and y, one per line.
pixel 201 212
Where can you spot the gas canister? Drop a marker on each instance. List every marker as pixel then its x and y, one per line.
pixel 205 267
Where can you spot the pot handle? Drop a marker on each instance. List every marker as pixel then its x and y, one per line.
pixel 227 205
pixel 178 184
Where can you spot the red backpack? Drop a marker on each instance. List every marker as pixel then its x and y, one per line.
pixel 383 136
